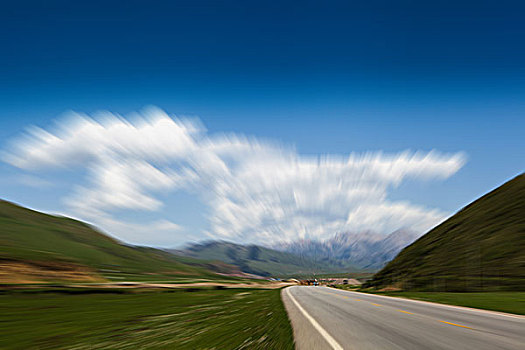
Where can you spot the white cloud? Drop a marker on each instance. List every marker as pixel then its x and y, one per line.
pixel 257 191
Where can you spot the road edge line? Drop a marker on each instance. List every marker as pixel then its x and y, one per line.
pixel 329 339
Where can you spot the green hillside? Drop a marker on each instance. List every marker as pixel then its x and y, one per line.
pixel 259 260
pixel 33 242
pixel 480 248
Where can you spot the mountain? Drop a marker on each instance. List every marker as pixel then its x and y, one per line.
pixel 259 260
pixel 35 246
pixel 482 247
pixel 367 250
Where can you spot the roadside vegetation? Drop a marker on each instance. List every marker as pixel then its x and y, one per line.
pixel 510 302
pixel 131 319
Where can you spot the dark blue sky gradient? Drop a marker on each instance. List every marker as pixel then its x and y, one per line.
pixel 329 77
pixel 256 42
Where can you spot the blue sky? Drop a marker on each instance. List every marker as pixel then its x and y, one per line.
pixel 324 80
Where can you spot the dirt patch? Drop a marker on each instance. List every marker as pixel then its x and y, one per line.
pixel 390 289
pixel 35 272
pixel 354 282
pixel 183 285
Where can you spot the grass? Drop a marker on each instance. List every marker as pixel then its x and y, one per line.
pixel 190 319
pixel 510 302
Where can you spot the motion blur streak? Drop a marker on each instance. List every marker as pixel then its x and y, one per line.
pixel 257 191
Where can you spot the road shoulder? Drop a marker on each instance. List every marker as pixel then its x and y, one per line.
pixel 305 335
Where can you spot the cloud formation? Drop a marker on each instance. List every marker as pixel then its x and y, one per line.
pixel 257 191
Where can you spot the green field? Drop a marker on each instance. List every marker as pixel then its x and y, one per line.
pixel 511 302
pixel 181 319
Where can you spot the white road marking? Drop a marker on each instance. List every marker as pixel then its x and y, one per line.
pixel 333 343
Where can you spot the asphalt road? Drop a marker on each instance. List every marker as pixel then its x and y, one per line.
pixel 327 318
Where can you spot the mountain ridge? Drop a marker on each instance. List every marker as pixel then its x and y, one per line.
pixel 481 247
pixel 366 249
pixel 258 260
pixel 36 246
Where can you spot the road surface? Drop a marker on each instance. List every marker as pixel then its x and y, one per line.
pixel 327 318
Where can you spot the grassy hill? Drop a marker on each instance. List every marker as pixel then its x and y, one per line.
pixel 259 260
pixel 38 246
pixel 480 248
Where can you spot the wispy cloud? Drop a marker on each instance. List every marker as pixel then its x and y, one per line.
pixel 257 191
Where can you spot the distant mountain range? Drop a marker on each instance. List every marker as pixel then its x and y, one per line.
pixel 260 260
pixel 344 252
pixel 480 248
pixel 365 250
